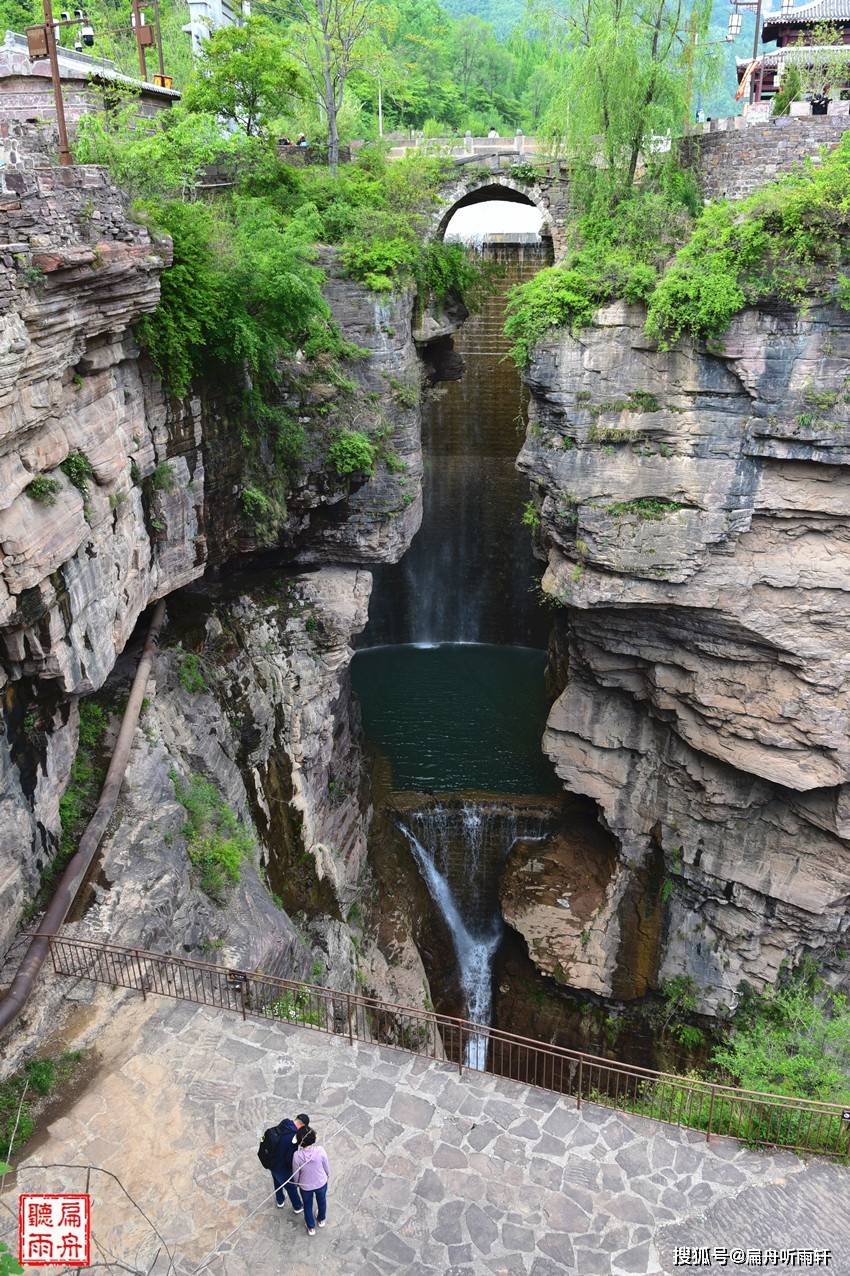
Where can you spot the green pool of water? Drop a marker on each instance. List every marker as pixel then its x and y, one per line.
pixel 457 717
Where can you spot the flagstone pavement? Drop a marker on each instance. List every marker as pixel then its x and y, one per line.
pixel 431 1173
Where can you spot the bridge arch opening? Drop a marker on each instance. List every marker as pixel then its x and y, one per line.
pixel 494 208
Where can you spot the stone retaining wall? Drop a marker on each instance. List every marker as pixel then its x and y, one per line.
pixel 735 162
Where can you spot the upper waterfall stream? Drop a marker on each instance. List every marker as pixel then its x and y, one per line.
pixel 469 575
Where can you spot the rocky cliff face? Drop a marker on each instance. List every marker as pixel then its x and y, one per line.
pixel 694 520
pixel 112 495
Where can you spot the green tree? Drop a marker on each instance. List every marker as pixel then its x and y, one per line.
pixel 245 75
pixel 822 60
pixel 788 93
pixel 627 71
pixel 329 40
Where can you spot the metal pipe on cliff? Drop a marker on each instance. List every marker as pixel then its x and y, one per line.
pixel 72 878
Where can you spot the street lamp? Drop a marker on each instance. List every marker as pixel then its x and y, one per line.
pixel 736 19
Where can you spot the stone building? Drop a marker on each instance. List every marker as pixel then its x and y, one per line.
pixel 26 91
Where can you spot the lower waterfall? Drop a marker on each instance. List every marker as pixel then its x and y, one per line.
pixel 460 851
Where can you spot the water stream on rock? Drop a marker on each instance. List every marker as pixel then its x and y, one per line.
pixel 470 575
pixel 452 686
pixel 460 852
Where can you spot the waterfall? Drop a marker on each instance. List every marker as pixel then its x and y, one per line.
pixel 469 575
pixel 460 850
pixel 474 953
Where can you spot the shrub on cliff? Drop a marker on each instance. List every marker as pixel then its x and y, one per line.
pixel 784 243
pixel 216 843
pixel 242 289
pixel 352 452
pixel 793 1040
pixel 618 252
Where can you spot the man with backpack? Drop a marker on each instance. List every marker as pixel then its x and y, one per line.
pixel 276 1150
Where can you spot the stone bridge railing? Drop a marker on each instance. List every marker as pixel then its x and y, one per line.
pixel 467 149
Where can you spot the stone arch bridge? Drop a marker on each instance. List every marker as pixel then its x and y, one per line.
pixel 731 160
pixel 478 183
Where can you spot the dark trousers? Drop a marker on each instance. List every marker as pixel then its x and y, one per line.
pixel 279 1178
pixel 321 1195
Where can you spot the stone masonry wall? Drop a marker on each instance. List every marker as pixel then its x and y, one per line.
pixel 735 162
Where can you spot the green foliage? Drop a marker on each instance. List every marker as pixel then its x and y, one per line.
pixel 789 92
pixel 162 479
pixel 379 214
pixel 530 515
pixel 190 673
pixel 618 252
pixel 297 1007
pixel 642 401
pixel 19 1093
pixel 43 490
pixel 169 157
pixel 792 1040
pixel 822 66
pixel 644 508
pixel 352 452
pixel 842 291
pixel 93 723
pixel 782 243
pixel 241 291
pixel 525 173
pixel 9 1265
pixel 216 843
pixel 626 73
pixel 245 75
pixel 446 270
pixel 78 468
pixel 260 509
pixel 77 803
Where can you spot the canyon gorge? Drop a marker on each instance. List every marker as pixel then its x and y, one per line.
pixel 525 799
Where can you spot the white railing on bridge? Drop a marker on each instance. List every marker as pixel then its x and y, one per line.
pixel 466 146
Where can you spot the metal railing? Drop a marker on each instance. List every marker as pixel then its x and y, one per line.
pixel 768 1120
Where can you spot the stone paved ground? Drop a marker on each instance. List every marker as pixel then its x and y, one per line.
pixel 430 1174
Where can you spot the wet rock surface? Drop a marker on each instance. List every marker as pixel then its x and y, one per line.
pixel 694 508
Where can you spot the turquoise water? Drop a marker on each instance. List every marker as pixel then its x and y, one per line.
pixel 456 717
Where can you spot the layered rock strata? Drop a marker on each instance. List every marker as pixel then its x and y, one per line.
pixel 112 495
pixel 694 519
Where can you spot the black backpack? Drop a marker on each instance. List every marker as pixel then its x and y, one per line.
pixel 267 1151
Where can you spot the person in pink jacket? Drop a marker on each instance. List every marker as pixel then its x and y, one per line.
pixel 311 1172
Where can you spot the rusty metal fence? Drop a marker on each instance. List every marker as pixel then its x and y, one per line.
pixel 769 1120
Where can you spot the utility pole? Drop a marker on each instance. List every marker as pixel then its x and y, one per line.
pixel 65 156
pixel 159 41
pixel 137 31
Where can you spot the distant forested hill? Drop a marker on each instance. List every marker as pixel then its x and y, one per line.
pixel 504 15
